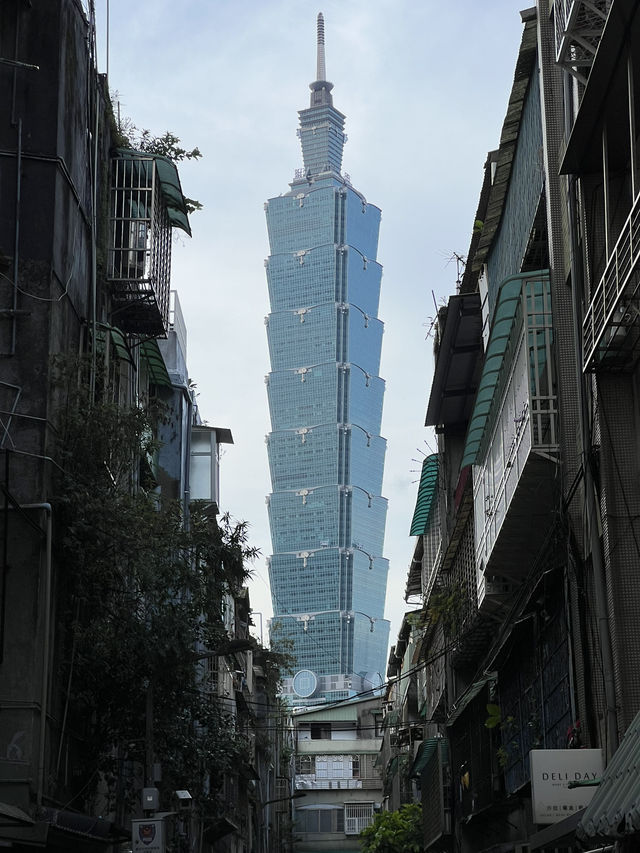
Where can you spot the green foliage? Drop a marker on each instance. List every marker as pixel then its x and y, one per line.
pixel 418 620
pixel 495 716
pixel 127 135
pixel 447 605
pixel 168 144
pixel 141 592
pixel 395 832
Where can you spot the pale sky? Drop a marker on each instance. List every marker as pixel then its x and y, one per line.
pixel 424 86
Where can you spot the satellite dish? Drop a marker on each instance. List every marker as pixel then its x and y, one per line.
pixel 304 683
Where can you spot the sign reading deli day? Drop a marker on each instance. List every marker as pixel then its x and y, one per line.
pixel 551 772
pixel 147 835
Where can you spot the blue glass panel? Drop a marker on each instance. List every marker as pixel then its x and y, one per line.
pixel 326 455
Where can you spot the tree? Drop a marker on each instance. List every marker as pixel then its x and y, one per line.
pixel 395 832
pixel 141 591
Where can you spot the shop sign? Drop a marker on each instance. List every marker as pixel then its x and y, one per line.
pixel 551 772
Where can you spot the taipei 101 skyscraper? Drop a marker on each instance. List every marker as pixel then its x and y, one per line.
pixel 326 455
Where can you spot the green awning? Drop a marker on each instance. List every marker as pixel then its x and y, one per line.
pixel 169 183
pixel 120 345
pixel 150 352
pixel 424 755
pixel 502 327
pixel 468 697
pixel 426 752
pixel 118 341
pixel 614 811
pixel 426 493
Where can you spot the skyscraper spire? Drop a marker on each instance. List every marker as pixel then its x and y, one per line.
pixel 322 71
pixel 321 88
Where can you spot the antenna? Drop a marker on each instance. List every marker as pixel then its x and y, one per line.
pixel 322 72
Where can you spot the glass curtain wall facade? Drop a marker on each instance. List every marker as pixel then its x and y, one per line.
pixel 326 456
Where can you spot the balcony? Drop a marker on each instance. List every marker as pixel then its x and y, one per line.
pixel 512 439
pixel 146 201
pixel 578 29
pixel 611 332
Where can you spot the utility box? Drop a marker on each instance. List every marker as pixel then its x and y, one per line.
pixel 150 799
pixel 148 835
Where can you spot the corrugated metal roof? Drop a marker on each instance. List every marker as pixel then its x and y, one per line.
pixel 150 351
pixel 424 755
pixel 614 811
pixel 343 713
pixel 426 493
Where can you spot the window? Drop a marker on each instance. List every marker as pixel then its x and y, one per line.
pixel 305 764
pixel 320 820
pixel 320 731
pixel 357 816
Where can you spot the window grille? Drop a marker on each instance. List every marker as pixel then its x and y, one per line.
pixel 211 676
pixel 140 247
pixel 357 816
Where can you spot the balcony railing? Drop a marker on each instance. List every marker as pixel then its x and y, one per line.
pixel 610 329
pixel 513 438
pixel 304 783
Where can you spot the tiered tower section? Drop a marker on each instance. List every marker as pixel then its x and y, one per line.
pixel 326 455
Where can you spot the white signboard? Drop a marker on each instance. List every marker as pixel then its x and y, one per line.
pixel 147 835
pixel 551 772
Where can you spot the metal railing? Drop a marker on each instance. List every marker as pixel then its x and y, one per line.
pixel 619 282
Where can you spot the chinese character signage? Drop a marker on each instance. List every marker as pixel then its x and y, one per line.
pixel 551 772
pixel 147 835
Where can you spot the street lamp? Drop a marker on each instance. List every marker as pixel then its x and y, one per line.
pixel 351 613
pixel 355 547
